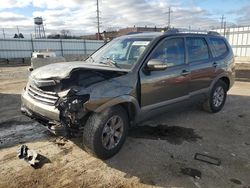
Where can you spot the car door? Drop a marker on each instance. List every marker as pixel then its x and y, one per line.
pixel 159 88
pixel 200 63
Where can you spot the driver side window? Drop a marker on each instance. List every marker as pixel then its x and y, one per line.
pixel 171 52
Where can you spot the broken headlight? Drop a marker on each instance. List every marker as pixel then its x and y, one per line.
pixel 72 103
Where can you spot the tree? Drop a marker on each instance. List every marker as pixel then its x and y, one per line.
pixel 20 35
pixel 65 32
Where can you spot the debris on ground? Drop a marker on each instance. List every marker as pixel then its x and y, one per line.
pixel 207 159
pixel 238 182
pixel 60 141
pixel 241 115
pixel 233 154
pixel 30 156
pixel 191 172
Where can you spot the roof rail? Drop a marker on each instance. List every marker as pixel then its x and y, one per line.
pixel 174 31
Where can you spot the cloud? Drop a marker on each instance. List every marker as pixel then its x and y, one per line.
pixel 12 20
pixel 14 3
pixel 79 16
pixel 242 15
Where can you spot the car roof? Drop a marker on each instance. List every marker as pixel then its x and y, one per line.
pixel 153 35
pixel 144 35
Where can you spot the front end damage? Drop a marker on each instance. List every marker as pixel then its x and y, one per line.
pixel 73 113
pixel 60 103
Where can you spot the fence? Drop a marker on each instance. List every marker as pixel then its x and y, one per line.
pixel 239 39
pixel 23 48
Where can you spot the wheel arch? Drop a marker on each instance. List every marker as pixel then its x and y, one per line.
pixel 128 102
pixel 226 80
pixel 224 77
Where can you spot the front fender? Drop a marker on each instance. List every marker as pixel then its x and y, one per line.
pixel 120 100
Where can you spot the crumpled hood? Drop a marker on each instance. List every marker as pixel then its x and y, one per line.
pixel 62 70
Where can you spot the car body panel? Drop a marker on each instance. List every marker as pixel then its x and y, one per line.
pixel 160 86
pixel 63 70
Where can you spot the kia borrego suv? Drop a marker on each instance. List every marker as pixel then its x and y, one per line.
pixel 127 80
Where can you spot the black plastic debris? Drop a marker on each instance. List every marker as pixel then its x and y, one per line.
pixel 207 159
pixel 191 172
pixel 236 181
pixel 30 156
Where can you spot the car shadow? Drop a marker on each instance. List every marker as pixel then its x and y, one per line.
pixel 15 128
pixel 157 152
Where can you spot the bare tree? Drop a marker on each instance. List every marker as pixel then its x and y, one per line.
pixel 65 32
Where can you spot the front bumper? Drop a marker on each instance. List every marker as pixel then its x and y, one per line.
pixel 30 107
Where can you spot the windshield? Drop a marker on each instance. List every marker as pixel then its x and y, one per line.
pixel 120 52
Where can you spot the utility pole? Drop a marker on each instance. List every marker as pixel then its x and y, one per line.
pixel 17 30
pixel 98 19
pixel 222 21
pixel 169 16
pixel 3 33
pixel 225 28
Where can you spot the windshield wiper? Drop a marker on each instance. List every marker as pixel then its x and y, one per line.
pixel 91 58
pixel 110 62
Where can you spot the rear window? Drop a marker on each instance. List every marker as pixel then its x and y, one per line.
pixel 197 49
pixel 219 47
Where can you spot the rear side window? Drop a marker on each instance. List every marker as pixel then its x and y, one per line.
pixel 219 47
pixel 197 49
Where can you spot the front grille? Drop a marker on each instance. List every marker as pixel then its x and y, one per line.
pixel 46 97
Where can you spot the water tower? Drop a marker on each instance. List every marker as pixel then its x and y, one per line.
pixel 39 28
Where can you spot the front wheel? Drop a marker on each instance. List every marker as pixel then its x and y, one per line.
pixel 105 132
pixel 217 97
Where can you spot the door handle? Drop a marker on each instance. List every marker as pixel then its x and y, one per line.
pixel 185 73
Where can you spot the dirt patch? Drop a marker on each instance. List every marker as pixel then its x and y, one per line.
pixel 61 175
pixel 173 134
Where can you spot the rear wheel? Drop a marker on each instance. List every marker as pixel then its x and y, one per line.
pixel 217 97
pixel 105 133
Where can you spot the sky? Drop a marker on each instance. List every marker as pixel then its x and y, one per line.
pixel 79 16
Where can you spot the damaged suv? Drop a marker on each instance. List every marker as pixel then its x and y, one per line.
pixel 125 81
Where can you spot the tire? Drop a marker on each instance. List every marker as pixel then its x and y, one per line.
pixel 217 97
pixel 100 137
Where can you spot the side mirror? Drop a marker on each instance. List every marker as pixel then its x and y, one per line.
pixel 156 65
